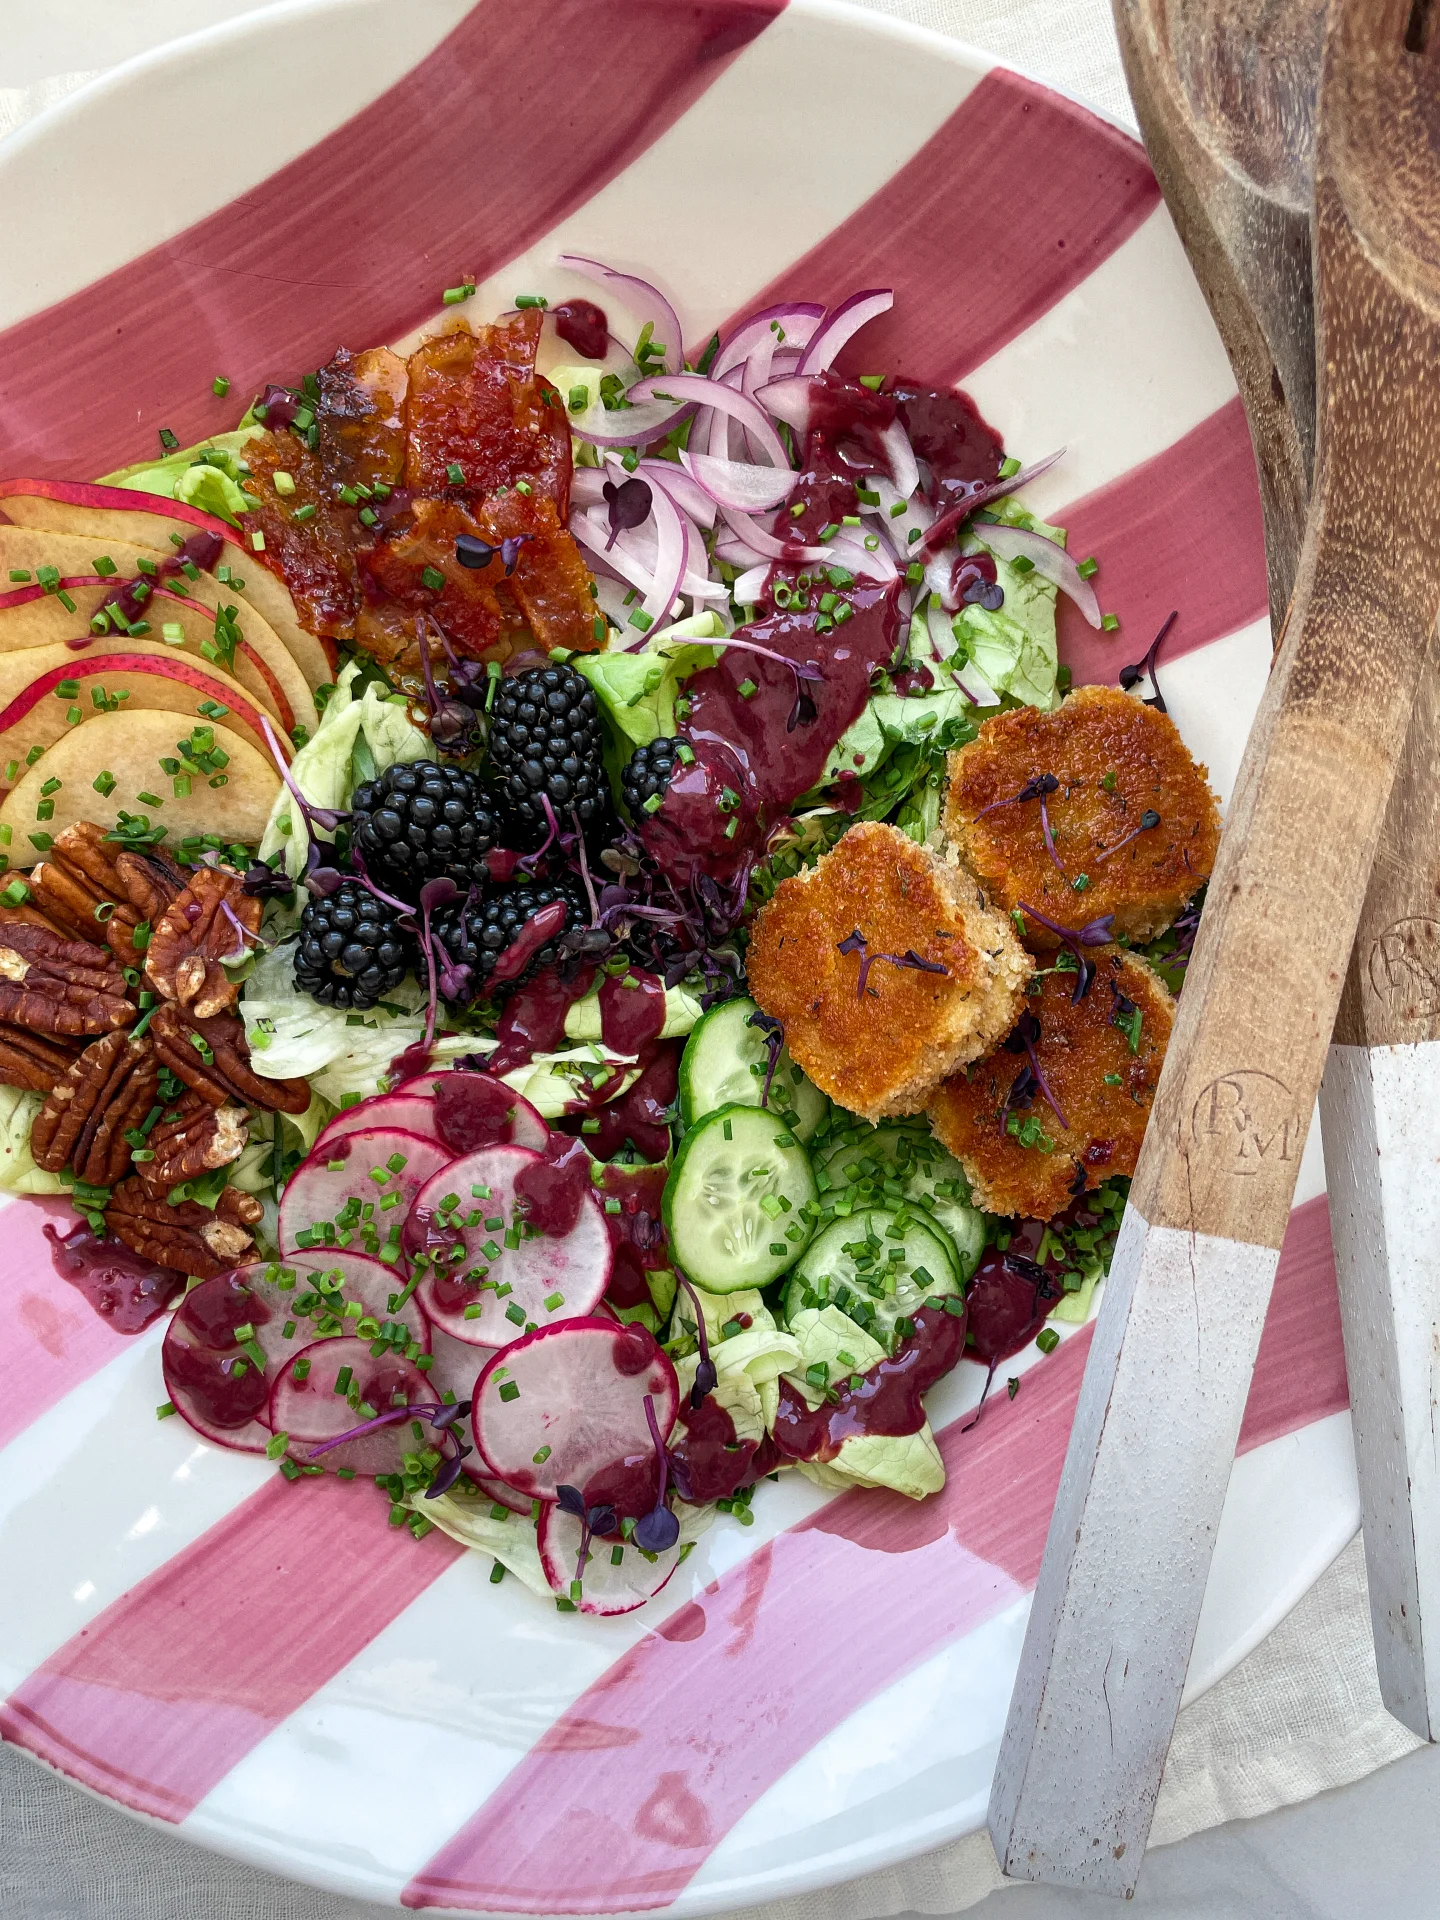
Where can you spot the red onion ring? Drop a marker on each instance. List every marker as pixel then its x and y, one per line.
pixel 1052 562
pixel 686 492
pixel 841 323
pixel 731 483
pixel 950 522
pixel 651 304
pixel 797 319
pixel 695 389
pixel 788 399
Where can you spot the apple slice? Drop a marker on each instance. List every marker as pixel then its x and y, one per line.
pixel 566 1407
pixel 509 1277
pixel 617 1577
pixel 104 766
pixel 362 1185
pixel 31 616
pixel 337 1385
pixel 35 712
pixel 147 520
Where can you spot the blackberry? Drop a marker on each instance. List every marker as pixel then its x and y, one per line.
pixel 647 775
pixel 420 821
pixel 491 924
pixel 351 950
pixel 545 744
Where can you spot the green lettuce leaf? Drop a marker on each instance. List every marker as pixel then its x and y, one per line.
pixel 18 1171
pixel 682 1010
pixel 206 475
pixel 637 690
pixel 908 1463
pixel 1015 649
pixel 761 1352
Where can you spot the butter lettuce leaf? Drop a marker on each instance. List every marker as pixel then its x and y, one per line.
pixel 907 1463
pixel 682 1010
pixel 18 1171
pixel 637 691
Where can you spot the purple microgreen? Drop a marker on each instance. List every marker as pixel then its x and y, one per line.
pixel 440 1417
pixel 325 819
pixel 1035 788
pixel 583 864
pixel 1049 837
pixel 706 1376
pixel 773 1035
pixel 531 861
pixel 1094 933
pixel 323 881
pixel 657 1530
pixel 1149 820
pixel 1145 669
pixel 452 722
pixel 264 882
pixel 243 933
pixel 855 943
pixel 510 551
pixel 1022 1040
pixel 629 505
pixel 802 669
pixel 436 893
pixel 473 552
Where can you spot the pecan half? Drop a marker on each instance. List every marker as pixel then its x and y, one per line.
pixel 199 928
pixel 111 1086
pixel 78 888
pixel 212 1057
pixel 54 985
pixel 151 880
pixel 31 1061
pixel 197 1140
pixel 190 1238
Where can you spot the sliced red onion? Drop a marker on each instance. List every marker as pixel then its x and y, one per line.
pixel 942 634
pixel 900 458
pixel 587 486
pixel 686 492
pixel 798 322
pixel 940 578
pixel 841 324
pixel 642 298
pixel 734 552
pixel 634 557
pixel 1052 562
pixel 897 527
pixel 694 389
pixel 672 554
pixel 953 518
pixel 751 584
pixel 731 483
pixel 634 426
pixel 788 399
pixel 971 681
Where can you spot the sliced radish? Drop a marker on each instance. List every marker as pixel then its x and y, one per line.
pixel 411 1112
pixel 215 1385
pixel 606 1585
pixel 497 1490
pixel 493 1292
pixel 358 1193
pixel 316 1408
pixel 455 1367
pixel 474 1110
pixel 559 1407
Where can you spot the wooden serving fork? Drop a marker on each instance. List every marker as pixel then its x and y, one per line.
pixel 1129 1547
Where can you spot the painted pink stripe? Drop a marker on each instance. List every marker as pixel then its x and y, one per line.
pixel 178 1680
pixel 1181 531
pixel 51 1338
pixel 1015 200
pixel 461 165
pixel 825 1618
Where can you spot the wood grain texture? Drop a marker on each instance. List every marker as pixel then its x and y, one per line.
pixel 1225 99
pixel 1218 1168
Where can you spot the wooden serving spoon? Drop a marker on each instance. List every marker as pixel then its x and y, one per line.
pixel 1129 1548
pixel 1225 99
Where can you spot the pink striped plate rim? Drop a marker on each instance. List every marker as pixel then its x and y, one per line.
pixel 270 1668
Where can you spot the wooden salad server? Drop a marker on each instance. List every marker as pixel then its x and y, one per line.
pixel 1225 98
pixel 1145 1474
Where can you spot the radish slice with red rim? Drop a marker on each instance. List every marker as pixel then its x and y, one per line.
pixel 509 1276
pixel 474 1110
pixel 337 1386
pixel 566 1407
pixel 612 1582
pixel 362 1189
pixel 214 1384
pixel 454 1369
pixel 411 1112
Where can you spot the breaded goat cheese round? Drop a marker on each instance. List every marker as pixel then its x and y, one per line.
pixel 886 970
pixel 1094 809
pixel 1062 1104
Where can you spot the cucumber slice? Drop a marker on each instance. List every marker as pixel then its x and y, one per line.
pixel 724 1065
pixel 738 1205
pixel 889 1164
pixel 877 1266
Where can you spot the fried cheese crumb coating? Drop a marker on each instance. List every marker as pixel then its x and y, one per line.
pixel 1131 814
pixel 881 1048
pixel 1100 1058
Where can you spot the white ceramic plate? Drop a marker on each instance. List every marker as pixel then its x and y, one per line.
pixel 269 1667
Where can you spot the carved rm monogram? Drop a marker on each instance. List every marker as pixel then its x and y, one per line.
pixel 1404 969
pixel 1247 1122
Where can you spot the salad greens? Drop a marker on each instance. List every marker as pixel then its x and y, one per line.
pixel 206 476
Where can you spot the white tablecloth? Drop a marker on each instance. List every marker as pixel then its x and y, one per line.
pixel 1300 1718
